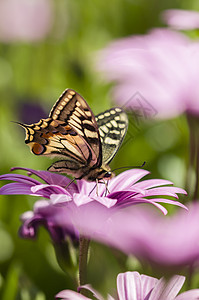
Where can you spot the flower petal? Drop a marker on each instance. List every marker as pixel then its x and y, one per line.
pixel 59 198
pixel 17 188
pixel 51 189
pixel 51 178
pixel 167 290
pixel 30 226
pixel 167 190
pixel 129 194
pixel 83 199
pixel 129 286
pixel 126 179
pixel 148 283
pixel 93 291
pixel 27 215
pixel 162 208
pixel 108 202
pixel 68 295
pixel 189 295
pixel 150 183
pixel 174 202
pixel 128 201
pixel 19 178
pixel 89 188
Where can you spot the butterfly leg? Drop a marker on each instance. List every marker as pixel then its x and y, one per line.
pixel 97 181
pixel 106 185
pixel 92 189
pixel 70 183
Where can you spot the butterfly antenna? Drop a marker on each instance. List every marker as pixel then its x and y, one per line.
pixel 20 124
pixel 128 167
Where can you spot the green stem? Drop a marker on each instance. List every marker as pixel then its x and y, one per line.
pixel 189 277
pixel 83 259
pixel 191 154
pixel 196 191
pixel 193 123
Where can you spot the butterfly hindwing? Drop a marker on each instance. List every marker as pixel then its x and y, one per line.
pixel 113 125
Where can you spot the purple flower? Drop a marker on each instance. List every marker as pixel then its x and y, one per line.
pixel 77 209
pixel 156 73
pixel 23 20
pixel 123 190
pixel 181 19
pixel 133 286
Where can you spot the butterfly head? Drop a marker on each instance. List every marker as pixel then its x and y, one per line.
pixel 108 175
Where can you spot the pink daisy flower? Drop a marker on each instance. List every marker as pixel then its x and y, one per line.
pixel 181 19
pixel 123 191
pixel 133 286
pixel 155 74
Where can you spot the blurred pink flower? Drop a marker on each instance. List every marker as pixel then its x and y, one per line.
pixel 24 20
pixel 133 286
pixel 167 243
pixel 164 242
pixel 156 73
pixel 171 241
pixel 181 19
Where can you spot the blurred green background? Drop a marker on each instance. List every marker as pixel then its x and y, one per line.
pixel 33 73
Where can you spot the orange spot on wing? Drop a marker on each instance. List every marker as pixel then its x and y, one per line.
pixel 37 149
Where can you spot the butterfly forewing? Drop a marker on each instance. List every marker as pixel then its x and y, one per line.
pixel 74 110
pixel 53 138
pixel 113 125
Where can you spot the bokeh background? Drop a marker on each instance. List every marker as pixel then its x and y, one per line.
pixel 45 47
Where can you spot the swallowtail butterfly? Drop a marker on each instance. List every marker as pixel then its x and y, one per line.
pixel 85 143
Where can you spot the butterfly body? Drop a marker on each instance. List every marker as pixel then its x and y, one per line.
pixel 85 143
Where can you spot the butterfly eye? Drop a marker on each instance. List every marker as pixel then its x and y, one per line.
pixel 108 175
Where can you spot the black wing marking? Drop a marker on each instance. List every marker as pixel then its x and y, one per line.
pixel 112 125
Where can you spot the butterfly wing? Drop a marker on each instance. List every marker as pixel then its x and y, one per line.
pixel 71 132
pixel 72 109
pixel 55 138
pixel 112 125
